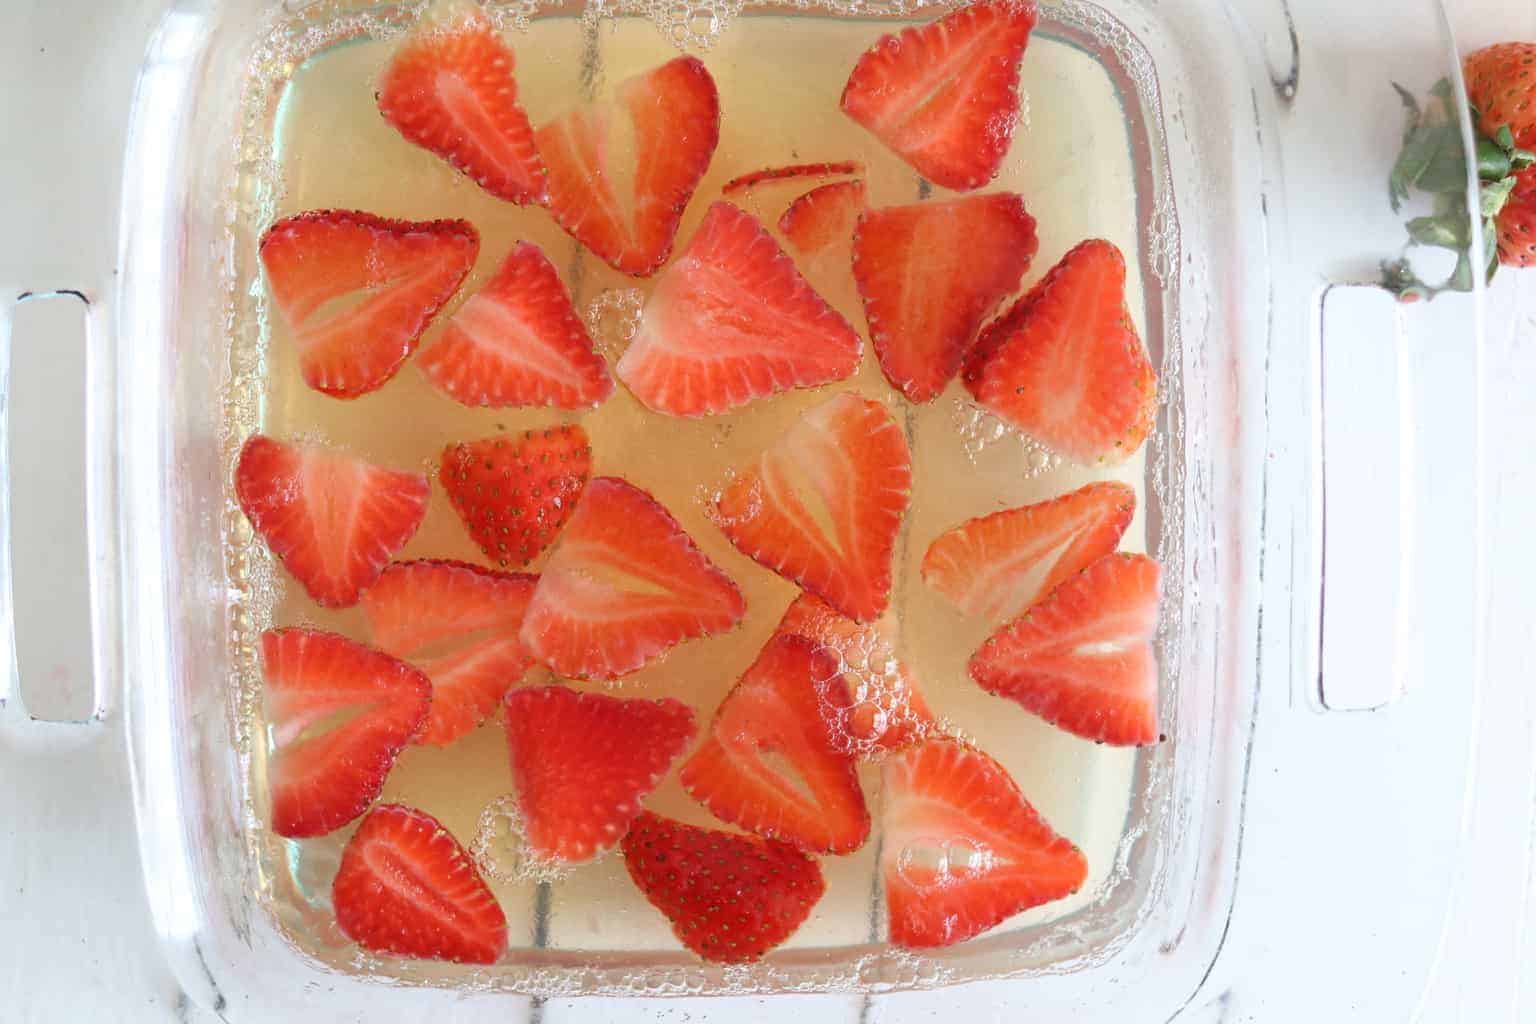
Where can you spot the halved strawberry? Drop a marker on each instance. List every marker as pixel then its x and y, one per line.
pixel 359 290
pixel 823 217
pixel 771 763
pixel 624 584
pixel 514 494
pixel 834 536
pixel 1082 658
pixel 996 566
pixel 1065 365
pixel 333 520
pixel 732 320
pixel 582 762
pixel 338 714
pixel 449 88
pixel 730 898
pixel 674 112
pixel 405 887
pixel 930 274
pixel 458 623
pixel 878 708
pixel 518 341
pixel 963 849
pixel 828 169
pixel 945 97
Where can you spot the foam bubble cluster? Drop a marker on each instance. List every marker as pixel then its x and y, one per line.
pixel 613 319
pixel 500 847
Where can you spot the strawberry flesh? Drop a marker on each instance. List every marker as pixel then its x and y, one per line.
pixel 823 217
pixel 730 321
pixel 583 762
pixel 1082 658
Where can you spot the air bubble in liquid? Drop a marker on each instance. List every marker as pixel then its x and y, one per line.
pixel 613 319
pixel 500 847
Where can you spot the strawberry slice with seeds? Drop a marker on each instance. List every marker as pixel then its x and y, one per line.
pixel 771 763
pixel 450 89
pixel 405 887
pixel 333 521
pixel 879 707
pixel 518 341
pixel 730 321
pixel 338 713
pixel 674 111
pixel 823 217
pixel 730 898
pixel 827 169
pixel 514 494
pixel 945 97
pixel 1082 658
pixel 582 762
pixel 996 566
pixel 459 624
pixel 1065 365
pixel 834 536
pixel 963 849
pixel 625 583
pixel 930 274
pixel 357 291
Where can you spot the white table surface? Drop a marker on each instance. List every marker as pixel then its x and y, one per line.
pixel 1293 949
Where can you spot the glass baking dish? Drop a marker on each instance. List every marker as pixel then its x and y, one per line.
pixel 1238 305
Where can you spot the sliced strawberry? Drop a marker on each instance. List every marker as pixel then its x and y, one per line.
pixel 945 97
pixel 857 470
pixel 963 849
pixel 823 217
pixel 518 341
pixel 458 623
pixel 730 898
pixel 732 320
pixel 771 763
pixel 406 887
pixel 625 583
pixel 674 111
pixel 878 708
pixel 1082 658
pixel 582 762
pixel 1065 365
pixel 449 89
pixel 338 713
pixel 514 494
pixel 359 290
pixel 930 274
pixel 996 566
pixel 829 169
pixel 333 520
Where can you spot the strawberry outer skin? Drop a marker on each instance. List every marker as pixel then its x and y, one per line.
pixel 1501 84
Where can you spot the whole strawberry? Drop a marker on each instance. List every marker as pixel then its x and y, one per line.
pixel 1517 223
pixel 1501 86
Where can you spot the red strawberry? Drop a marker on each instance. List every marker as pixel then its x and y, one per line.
pixel 518 341
pixel 458 623
pixel 996 566
pixel 338 713
pixel 963 849
pixel 730 898
pixel 675 114
pixel 625 583
pixel 449 89
pixel 400 272
pixel 1082 658
pixel 879 707
pixel 830 169
pixel 945 97
pixel 1501 85
pixel 930 274
pixel 333 520
pixel 514 494
pixel 406 887
pixel 854 458
pixel 823 217
pixel 1516 223
pixel 582 762
pixel 1065 365
pixel 771 763
pixel 732 320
